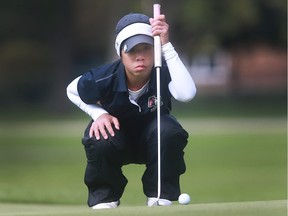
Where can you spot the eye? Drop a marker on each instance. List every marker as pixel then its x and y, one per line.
pixel 133 50
pixel 140 48
pixel 148 47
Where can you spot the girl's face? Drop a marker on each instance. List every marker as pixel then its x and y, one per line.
pixel 138 61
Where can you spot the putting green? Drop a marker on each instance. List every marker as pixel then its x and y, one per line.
pixel 255 208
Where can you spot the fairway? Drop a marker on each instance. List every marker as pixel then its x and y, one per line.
pixel 260 208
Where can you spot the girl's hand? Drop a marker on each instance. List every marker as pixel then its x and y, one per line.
pixel 161 28
pixel 103 124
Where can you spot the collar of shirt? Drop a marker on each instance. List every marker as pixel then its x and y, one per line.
pixel 121 85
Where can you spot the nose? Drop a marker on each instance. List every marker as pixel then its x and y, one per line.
pixel 139 56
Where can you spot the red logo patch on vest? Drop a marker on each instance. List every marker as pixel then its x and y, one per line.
pixel 152 103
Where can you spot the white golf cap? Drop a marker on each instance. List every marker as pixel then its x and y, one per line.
pixel 131 30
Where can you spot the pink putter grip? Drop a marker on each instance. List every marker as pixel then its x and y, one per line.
pixel 156 10
pixel 157 41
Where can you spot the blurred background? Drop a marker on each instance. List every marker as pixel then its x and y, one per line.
pixel 236 51
pixel 233 49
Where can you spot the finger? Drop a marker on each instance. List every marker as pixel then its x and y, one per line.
pixel 110 129
pixel 94 132
pixel 157 31
pixel 91 132
pixel 159 17
pixel 116 123
pixel 160 20
pixel 97 134
pixel 159 24
pixel 162 17
pixel 103 132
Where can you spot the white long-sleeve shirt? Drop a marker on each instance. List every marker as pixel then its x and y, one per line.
pixel 181 87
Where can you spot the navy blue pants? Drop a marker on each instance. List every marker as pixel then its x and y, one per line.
pixel 136 144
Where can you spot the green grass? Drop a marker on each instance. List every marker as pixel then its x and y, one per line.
pixel 263 208
pixel 202 106
pixel 231 106
pixel 228 160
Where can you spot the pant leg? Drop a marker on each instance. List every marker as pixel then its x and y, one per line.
pixel 173 141
pixel 103 176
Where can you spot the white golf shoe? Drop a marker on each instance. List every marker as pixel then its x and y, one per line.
pixel 152 201
pixel 108 205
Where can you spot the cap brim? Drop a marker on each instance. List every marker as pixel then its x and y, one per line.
pixel 129 43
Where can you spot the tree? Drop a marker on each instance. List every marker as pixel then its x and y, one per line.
pixel 45 44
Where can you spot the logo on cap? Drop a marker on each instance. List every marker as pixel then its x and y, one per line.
pixel 125 48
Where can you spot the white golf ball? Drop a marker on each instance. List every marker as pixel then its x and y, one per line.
pixel 184 199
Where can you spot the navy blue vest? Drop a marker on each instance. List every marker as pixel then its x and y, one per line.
pixel 106 86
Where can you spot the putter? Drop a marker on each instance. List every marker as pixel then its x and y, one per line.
pixel 157 65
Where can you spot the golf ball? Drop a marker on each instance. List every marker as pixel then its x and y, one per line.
pixel 184 199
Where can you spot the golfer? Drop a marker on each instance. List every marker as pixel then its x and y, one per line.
pixel 120 97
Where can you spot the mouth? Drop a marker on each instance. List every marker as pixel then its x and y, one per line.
pixel 140 67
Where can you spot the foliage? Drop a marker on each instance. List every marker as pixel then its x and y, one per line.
pixel 209 25
pixel 45 44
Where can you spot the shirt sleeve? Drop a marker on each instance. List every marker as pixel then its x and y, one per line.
pixel 182 86
pixel 86 88
pixel 93 110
